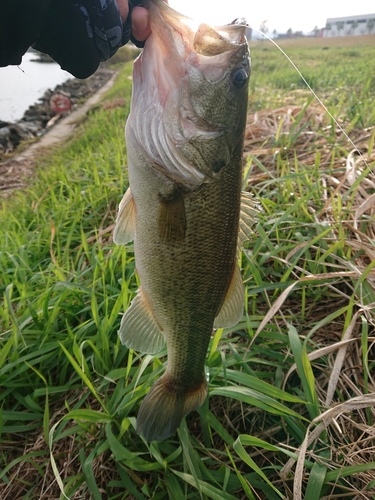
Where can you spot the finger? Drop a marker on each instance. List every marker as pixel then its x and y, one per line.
pixel 123 7
pixel 140 23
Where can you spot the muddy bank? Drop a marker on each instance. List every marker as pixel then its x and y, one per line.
pixel 54 104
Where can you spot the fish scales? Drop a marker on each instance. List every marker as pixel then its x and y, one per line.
pixel 185 142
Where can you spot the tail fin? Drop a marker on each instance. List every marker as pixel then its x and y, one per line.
pixel 163 408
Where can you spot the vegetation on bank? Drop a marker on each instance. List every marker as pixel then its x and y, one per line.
pixel 290 412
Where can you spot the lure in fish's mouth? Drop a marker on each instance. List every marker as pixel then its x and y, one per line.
pixel 204 39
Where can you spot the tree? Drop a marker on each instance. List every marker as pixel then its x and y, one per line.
pixel 328 27
pixel 340 26
pixel 263 29
pixel 289 33
pixel 370 25
pixel 274 32
pixel 354 26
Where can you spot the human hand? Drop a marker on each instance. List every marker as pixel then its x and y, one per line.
pixel 140 23
pixel 78 34
pixel 139 18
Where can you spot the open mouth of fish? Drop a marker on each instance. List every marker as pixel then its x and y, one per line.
pixel 180 39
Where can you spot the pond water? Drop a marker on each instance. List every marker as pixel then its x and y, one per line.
pixel 21 86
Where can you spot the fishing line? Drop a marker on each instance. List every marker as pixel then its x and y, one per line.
pixel 314 94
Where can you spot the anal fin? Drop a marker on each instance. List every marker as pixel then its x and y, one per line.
pixel 139 329
pixel 232 309
pixel 125 220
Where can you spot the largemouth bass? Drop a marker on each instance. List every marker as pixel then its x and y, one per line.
pixel 184 140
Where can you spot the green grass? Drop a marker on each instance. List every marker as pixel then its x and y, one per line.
pixel 69 392
pixel 342 74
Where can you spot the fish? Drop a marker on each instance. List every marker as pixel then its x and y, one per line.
pixel 184 208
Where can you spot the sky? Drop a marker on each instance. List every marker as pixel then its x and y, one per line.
pixel 280 15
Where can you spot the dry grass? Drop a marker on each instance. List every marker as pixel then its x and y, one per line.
pixel 348 182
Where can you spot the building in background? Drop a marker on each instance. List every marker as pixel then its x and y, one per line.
pixel 348 26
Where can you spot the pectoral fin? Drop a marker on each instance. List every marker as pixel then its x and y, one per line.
pixel 232 309
pixel 249 209
pixel 125 220
pixel 171 216
pixel 139 329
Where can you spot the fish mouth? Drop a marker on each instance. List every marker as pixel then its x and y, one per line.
pixel 202 38
pixel 178 41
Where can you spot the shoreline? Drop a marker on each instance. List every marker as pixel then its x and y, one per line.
pixel 41 116
pixel 46 127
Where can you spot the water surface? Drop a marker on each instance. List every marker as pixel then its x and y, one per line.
pixel 21 86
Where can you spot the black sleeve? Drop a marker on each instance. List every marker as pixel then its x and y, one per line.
pixel 20 23
pixel 77 34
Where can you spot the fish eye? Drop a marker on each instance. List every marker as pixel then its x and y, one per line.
pixel 239 77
